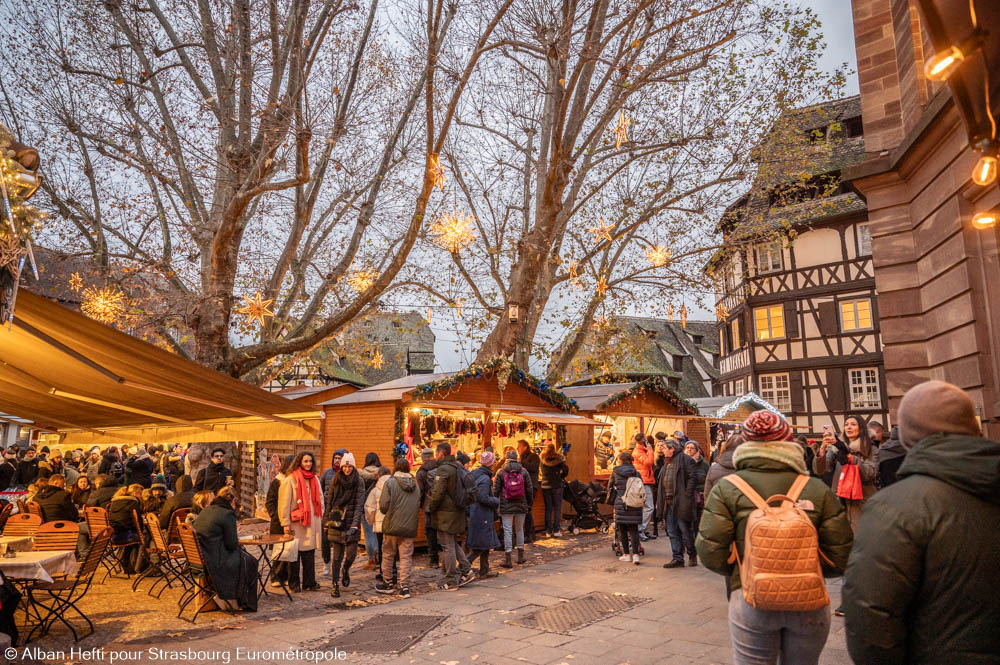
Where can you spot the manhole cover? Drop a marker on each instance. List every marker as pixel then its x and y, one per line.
pixel 386 633
pixel 579 612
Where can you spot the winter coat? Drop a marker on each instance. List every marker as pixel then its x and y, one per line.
pixel 445 515
pixel 370 475
pixel 308 537
pixel 91 469
pixel 271 504
pixel 890 458
pixel 212 477
pixel 183 498
pixel 372 514
pixel 483 513
pixel 120 513
pixel 922 583
pixel 553 470
pixel 27 471
pixel 72 474
pixel 8 474
pixel 141 469
pixel 720 469
pixel 684 472
pixel 700 472
pixel 102 496
pixel 723 520
pixel 220 546
pixel 513 506
pixel 399 505
pixel 868 469
pixel 531 463
pixel 643 458
pixel 603 455
pixel 425 481
pixel 112 466
pixel 624 515
pixel 57 504
pixel 351 492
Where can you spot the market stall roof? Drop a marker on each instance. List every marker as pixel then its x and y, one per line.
pixel 390 391
pixel 599 396
pixel 82 378
pixel 561 419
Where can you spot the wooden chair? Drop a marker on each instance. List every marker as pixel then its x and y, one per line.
pixel 196 573
pixel 8 509
pixel 164 558
pixel 59 535
pixel 34 508
pixel 176 517
pixel 97 521
pixel 117 550
pixel 22 507
pixel 22 524
pixel 63 595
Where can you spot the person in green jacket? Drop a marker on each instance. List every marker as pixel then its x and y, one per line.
pixel 449 520
pixel 769 462
pixel 923 583
pixel 400 503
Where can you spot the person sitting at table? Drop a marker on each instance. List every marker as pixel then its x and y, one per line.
pixel 155 497
pixel 122 512
pixel 232 569
pixel 32 492
pixel 81 491
pixel 105 489
pixel 198 503
pixel 56 503
pixel 183 495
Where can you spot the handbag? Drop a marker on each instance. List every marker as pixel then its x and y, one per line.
pixel 334 519
pixel 288 551
pixel 849 485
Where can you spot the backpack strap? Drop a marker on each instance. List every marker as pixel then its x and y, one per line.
pixel 796 489
pixel 749 492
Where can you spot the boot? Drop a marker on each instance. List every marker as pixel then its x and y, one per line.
pixel 336 590
pixel 520 555
pixel 506 561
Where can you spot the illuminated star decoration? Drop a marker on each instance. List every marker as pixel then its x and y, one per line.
pixel 437 172
pixel 106 304
pixel 452 231
pixel 377 359
pixel 256 309
pixel 458 306
pixel 428 315
pixel 602 286
pixel 684 316
pixel 721 312
pixel 621 129
pixel 670 313
pixel 361 280
pixel 75 282
pixel 657 256
pixel 602 231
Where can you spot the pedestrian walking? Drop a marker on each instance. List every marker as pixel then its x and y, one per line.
pixel 723 466
pixel 532 463
pixel 373 515
pixel 553 472
pixel 482 537
pixel 627 517
pixel 693 450
pixel 890 457
pixel 512 486
pixel 644 458
pixel 922 582
pixel 279 569
pixel 854 461
pixel 345 506
pixel 425 481
pixel 449 519
pixel 324 485
pixel 676 499
pixel 300 509
pixel 369 474
pixel 399 507
pixel 813 540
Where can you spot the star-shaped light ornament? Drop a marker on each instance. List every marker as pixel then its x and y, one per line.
pixel 670 312
pixel 657 256
pixel 256 309
pixel 684 316
pixel 721 312
pixel 602 286
pixel 377 359
pixel 453 231
pixel 437 171
pixel 75 282
pixel 602 231
pixel 621 129
pixel 106 304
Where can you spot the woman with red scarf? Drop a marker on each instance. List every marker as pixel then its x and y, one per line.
pixel 300 509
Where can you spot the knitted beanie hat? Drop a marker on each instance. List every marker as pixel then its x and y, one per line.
pixel 936 407
pixel 766 426
pixel 487 459
pixel 348 460
pixel 427 454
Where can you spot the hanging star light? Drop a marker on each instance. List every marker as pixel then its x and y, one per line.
pixel 602 231
pixel 361 280
pixel 75 282
pixel 437 171
pixel 657 256
pixel 670 312
pixel 602 286
pixel 458 306
pixel 256 309
pixel 621 129
pixel 377 359
pixel 428 315
pixel 684 316
pixel 106 304
pixel 452 231
pixel 721 312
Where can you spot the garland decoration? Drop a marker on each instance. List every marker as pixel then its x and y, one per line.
pixel 514 373
pixel 18 220
pixel 657 386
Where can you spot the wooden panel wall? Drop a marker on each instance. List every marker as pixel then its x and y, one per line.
pixel 361 429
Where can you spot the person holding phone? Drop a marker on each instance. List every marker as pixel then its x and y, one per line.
pixel 854 446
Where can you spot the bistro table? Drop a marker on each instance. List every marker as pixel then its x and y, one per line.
pixel 263 561
pixel 17 543
pixel 29 568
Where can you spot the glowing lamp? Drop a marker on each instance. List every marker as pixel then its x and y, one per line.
pixel 985 220
pixel 986 170
pixel 943 64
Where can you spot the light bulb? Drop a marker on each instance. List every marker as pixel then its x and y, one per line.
pixel 941 66
pixel 985 220
pixel 986 170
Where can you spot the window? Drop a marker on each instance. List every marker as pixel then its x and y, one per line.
pixel 774 388
pixel 697 339
pixel 736 333
pixel 770 322
pixel 767 257
pixel 738 391
pixel 856 315
pixel 864 388
pixel 864 240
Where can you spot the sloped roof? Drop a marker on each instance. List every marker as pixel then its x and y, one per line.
pixel 595 397
pixel 390 391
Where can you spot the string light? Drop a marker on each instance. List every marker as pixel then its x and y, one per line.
pixel 106 304
pixel 985 172
pixel 684 316
pixel 452 231
pixel 985 220
pixel 946 62
pixel 658 256
pixel 256 309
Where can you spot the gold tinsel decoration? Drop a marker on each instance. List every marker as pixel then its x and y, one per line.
pixel 453 231
pixel 256 309
pixel 657 256
pixel 106 304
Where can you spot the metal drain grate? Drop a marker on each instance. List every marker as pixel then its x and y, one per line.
pixel 579 612
pixel 386 633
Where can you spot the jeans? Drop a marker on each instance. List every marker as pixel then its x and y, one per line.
pixel 629 534
pixel 371 542
pixel 389 546
pixel 455 562
pixel 647 510
pixel 342 554
pixel 553 509
pixel 761 637
pixel 681 534
pixel 513 524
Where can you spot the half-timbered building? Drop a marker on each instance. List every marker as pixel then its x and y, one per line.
pixel 797 308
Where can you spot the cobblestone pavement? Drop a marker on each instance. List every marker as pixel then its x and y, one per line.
pixel 681 619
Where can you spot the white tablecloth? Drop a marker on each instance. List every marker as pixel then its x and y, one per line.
pixel 17 543
pixel 39 566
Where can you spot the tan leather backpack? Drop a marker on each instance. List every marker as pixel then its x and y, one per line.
pixel 781 569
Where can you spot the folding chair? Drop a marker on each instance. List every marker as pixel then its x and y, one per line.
pixel 22 524
pixel 196 572
pixel 5 514
pixel 97 521
pixel 22 507
pixel 176 517
pixel 63 595
pixel 53 536
pixel 164 558
pixel 34 508
pixel 117 550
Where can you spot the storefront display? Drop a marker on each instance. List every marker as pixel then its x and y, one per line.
pixel 471 431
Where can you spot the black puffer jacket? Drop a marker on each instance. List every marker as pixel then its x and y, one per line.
pixel 552 472
pixel 922 583
pixel 345 500
pixel 515 506
pixel 531 462
pixel 619 479
pixel 57 504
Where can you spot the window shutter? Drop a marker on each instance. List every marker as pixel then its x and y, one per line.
pixel 791 319
pixel 747 329
pixel 829 322
pixel 836 386
pixel 795 392
pixel 729 335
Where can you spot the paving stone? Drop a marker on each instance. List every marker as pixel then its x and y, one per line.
pixel 590 646
pixel 502 646
pixel 513 632
pixel 550 639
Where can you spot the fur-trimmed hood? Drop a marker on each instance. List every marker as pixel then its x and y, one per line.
pixel 788 453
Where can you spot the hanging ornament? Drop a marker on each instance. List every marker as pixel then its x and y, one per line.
pixel 621 129
pixel 602 231
pixel 458 306
pixel 11 253
pixel 106 304
pixel 684 316
pixel 362 280
pixel 670 312
pixel 602 286
pixel 721 312
pixel 453 231
pixel 256 309
pixel 75 282
pixel 657 256
pixel 437 171
pixel 503 376
pixel 377 359
pixel 428 317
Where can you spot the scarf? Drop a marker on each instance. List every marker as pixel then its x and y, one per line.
pixel 345 489
pixel 304 497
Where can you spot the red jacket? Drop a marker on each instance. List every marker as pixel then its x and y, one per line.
pixel 643 458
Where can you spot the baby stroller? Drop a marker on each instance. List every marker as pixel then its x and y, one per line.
pixel 584 499
pixel 616 545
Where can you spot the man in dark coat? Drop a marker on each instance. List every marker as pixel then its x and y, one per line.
pixel 215 476
pixel 425 481
pixel 105 490
pixel 182 498
pixel 232 569
pixel 890 457
pixel 922 582
pixel 140 467
pixel 449 520
pixel 27 468
pixel 530 460
pixel 56 503
pixel 675 498
pixel 8 470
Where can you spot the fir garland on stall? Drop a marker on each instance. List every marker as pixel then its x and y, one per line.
pixel 654 385
pixel 508 370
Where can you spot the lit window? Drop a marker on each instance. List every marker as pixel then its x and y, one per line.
pixel 770 322
pixel 736 333
pixel 856 315
pixel 864 240
pixel 774 388
pixel 864 388
pixel 767 257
